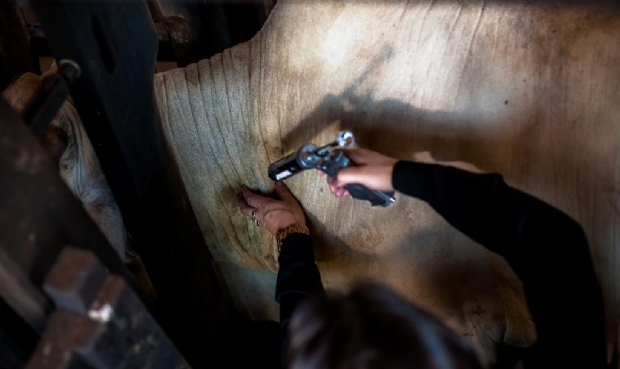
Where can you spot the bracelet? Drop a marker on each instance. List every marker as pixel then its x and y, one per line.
pixel 293 228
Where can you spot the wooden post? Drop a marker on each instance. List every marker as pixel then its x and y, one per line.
pixel 115 44
pixel 15 56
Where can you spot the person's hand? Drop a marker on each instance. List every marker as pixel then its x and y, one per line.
pixel 271 214
pixel 372 170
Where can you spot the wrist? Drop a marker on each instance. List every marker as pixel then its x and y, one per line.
pixel 290 229
pixel 283 219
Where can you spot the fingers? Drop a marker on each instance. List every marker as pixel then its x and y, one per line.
pixel 333 188
pixel 283 192
pixel 245 208
pixel 248 210
pixel 336 190
pixel 269 213
pixel 358 156
pixel 341 191
pixel 253 199
pixel 352 175
pixel 375 178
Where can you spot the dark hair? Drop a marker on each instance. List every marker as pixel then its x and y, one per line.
pixel 372 327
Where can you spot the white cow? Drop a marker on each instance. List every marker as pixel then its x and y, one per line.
pixel 530 91
pixel 67 143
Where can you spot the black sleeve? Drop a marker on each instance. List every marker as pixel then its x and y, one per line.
pixel 298 277
pixel 546 248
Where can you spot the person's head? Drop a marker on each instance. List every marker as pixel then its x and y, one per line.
pixel 372 327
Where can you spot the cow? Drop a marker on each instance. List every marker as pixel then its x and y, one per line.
pixel 70 149
pixel 67 143
pixel 526 90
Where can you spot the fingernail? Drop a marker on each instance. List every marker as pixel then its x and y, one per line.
pixel 279 184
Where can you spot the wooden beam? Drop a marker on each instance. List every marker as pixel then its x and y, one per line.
pixel 116 44
pixel 15 56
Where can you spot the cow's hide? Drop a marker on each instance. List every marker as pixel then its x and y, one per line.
pixel 67 143
pixel 530 91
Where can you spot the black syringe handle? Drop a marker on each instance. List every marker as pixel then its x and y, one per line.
pixel 376 198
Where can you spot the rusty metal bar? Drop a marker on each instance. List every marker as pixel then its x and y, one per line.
pixel 100 322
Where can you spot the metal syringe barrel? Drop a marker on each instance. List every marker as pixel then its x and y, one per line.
pixel 307 157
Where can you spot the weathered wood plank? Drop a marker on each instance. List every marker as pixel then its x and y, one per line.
pixel 115 45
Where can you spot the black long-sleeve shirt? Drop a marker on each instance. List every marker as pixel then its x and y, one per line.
pixel 546 248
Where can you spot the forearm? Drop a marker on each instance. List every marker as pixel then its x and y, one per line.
pixel 546 248
pixel 298 277
pixel 298 274
pixel 482 206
